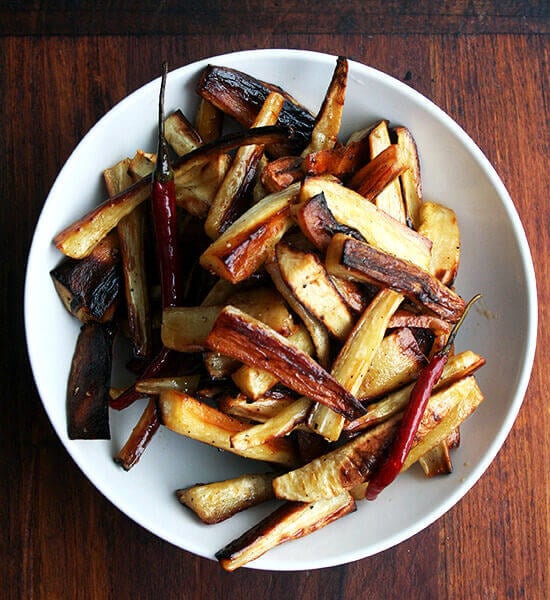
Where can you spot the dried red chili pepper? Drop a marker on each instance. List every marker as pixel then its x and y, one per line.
pixel 414 412
pixel 165 224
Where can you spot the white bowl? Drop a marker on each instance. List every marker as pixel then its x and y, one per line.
pixel 495 261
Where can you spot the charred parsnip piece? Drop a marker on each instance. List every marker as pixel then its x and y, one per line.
pixel 208 121
pixel 397 361
pixel 317 331
pixel 318 224
pixel 88 386
pixel 239 335
pixel 375 226
pixel 180 134
pixel 230 199
pixel 242 96
pixel 359 261
pixel 277 426
pixel 281 172
pixel 305 274
pixel 353 361
pixel 340 161
pixel 437 461
pixel 291 521
pixel 140 437
pixel 131 231
pixel 260 410
pixel 215 502
pixel 244 247
pixel 196 188
pixel 187 416
pixel 390 199
pixel 411 182
pixel 255 382
pixel 89 288
pixel 327 123
pixel 376 181
pixel 156 385
pixel 438 223
pixel 186 328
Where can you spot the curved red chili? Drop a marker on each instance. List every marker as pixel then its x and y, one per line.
pixel 414 412
pixel 164 209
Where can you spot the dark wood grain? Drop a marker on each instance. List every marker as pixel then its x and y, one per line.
pixel 485 63
pixel 194 17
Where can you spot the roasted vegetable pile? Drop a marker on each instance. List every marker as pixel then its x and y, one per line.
pixel 281 290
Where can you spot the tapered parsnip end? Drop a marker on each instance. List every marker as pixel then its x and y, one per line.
pixel 291 521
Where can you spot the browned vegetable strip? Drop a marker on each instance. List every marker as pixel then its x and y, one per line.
pixel 260 410
pixel 351 258
pixel 390 199
pixel 208 121
pixel 140 437
pixel 396 363
pixel 281 172
pixel 278 426
pixel 89 287
pixel 243 248
pixel 376 226
pixel 353 361
pixel 317 331
pixel 291 521
pixel 438 223
pixel 237 334
pixel 215 502
pixel 180 134
pixel 411 182
pixel 254 382
pixel 156 385
pixel 199 421
pixel 88 386
pixel 327 123
pixel 241 96
pixel 229 201
pixel 340 161
pixel 305 274
pixel 141 165
pixel 439 429
pixel 439 327
pixel 185 328
pixel 437 461
pixel 78 239
pixel 317 222
pixel 132 249
pixel 372 180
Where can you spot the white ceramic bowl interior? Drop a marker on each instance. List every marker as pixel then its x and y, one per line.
pixel 495 261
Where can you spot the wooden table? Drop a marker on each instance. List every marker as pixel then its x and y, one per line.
pixel 485 63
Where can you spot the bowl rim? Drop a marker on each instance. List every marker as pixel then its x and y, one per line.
pixel 528 353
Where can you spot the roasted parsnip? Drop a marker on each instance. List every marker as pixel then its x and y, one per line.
pixel 291 521
pixel 216 502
